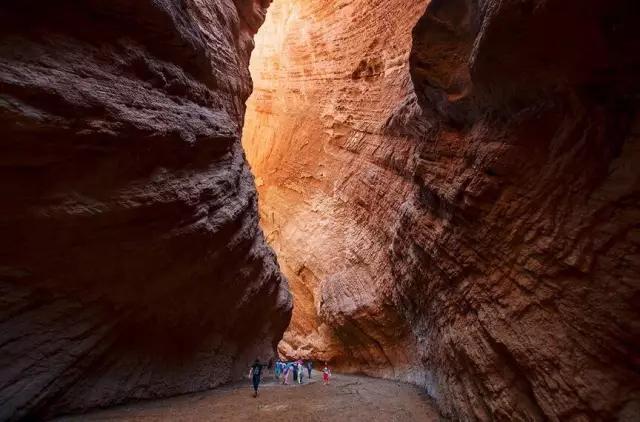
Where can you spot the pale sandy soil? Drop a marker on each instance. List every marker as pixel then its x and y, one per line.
pixel 348 398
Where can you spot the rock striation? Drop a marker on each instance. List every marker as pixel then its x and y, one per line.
pixel 452 188
pixel 331 178
pixel 131 262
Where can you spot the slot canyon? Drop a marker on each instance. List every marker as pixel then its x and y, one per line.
pixel 444 193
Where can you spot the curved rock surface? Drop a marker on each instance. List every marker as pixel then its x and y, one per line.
pixel 453 194
pixel 327 78
pixel 131 262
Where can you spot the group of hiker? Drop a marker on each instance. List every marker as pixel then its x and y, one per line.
pixel 294 370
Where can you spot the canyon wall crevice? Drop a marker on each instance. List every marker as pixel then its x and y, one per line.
pixel 132 265
pixel 453 195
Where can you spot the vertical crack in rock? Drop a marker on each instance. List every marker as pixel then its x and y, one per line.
pixel 453 194
pixel 131 262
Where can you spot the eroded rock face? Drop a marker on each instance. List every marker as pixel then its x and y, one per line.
pixel 529 246
pixel 131 262
pixel 331 180
pixel 453 194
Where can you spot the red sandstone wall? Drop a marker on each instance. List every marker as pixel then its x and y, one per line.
pixel 523 231
pixel 330 180
pixel 479 238
pixel 131 261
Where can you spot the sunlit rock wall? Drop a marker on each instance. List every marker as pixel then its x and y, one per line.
pixel 478 237
pixel 131 261
pixel 327 76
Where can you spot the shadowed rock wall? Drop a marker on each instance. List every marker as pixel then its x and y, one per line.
pixel 131 261
pixel 523 232
pixel 454 196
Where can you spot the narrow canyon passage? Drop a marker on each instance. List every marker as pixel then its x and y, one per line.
pixel 451 196
pixel 449 201
pixel 331 178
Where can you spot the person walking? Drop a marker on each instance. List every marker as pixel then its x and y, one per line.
pixel 294 366
pixel 299 372
pixel 277 369
pixel 309 367
pixel 326 374
pixel 287 371
pixel 254 373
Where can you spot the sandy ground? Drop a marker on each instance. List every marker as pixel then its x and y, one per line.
pixel 347 398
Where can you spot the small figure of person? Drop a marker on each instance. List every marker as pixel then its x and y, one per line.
pixel 254 374
pixel 294 366
pixel 277 369
pixel 326 374
pixel 286 372
pixel 309 367
pixel 299 372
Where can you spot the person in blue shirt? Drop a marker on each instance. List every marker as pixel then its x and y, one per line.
pixel 277 369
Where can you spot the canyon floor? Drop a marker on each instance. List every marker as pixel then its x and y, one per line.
pixel 348 398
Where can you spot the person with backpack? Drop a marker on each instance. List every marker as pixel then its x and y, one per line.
pixel 254 373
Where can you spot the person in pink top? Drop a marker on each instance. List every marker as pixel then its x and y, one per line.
pixel 326 374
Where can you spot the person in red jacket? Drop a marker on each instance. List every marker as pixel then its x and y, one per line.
pixel 326 374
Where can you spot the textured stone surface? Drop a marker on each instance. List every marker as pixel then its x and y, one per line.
pixel 331 182
pixel 131 261
pixel 479 236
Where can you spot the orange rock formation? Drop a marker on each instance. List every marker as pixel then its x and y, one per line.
pixel 452 190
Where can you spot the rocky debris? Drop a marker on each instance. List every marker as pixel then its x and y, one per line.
pixel 131 264
pixel 453 195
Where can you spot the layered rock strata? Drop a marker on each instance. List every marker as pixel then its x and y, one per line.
pixel 454 196
pixel 131 262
